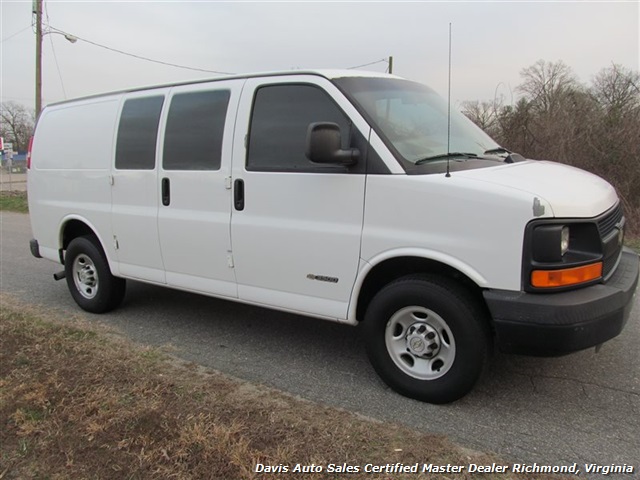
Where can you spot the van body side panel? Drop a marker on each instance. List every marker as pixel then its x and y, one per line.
pixel 135 228
pixel 290 244
pixel 194 226
pixel 473 227
pixel 135 199
pixel 69 176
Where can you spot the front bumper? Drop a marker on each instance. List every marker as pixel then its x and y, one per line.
pixel 555 324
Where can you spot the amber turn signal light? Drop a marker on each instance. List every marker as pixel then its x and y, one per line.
pixel 566 276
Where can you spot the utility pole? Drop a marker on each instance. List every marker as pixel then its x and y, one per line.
pixel 37 9
pixel 390 64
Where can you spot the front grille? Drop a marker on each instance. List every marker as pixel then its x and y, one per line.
pixel 609 221
pixel 608 226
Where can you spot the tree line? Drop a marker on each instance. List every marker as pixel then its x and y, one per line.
pixel 595 127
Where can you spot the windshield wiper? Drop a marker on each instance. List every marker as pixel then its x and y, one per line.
pixel 445 156
pixel 511 157
pixel 497 150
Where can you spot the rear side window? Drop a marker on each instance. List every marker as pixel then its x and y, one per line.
pixel 195 124
pixel 279 122
pixel 138 133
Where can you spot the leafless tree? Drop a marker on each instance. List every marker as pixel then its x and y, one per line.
pixel 515 128
pixel 546 84
pixel 16 124
pixel 616 137
pixel 617 89
pixel 483 114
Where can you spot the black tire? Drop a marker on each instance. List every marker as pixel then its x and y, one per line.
pixel 427 337
pixel 89 278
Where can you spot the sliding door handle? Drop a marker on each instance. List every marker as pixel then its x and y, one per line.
pixel 238 194
pixel 166 192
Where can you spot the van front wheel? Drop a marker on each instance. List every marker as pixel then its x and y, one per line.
pixel 427 338
pixel 89 278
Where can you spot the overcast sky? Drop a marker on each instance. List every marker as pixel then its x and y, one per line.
pixel 492 42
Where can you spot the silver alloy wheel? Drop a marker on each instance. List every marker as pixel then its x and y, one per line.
pixel 85 276
pixel 420 343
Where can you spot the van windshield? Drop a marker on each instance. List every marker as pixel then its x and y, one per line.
pixel 412 119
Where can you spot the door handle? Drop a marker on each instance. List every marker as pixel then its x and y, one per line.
pixel 238 194
pixel 166 192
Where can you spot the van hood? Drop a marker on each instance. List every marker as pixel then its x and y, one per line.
pixel 569 191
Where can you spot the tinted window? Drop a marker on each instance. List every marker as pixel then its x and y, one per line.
pixel 137 133
pixel 193 137
pixel 280 119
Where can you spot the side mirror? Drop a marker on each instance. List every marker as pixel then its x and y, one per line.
pixel 324 145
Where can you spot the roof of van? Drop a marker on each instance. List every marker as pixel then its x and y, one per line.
pixel 326 73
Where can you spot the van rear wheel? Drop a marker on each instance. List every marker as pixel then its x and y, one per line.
pixel 89 278
pixel 427 338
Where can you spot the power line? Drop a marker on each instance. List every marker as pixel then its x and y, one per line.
pixel 368 64
pixel 161 62
pixel 17 33
pixel 139 57
pixel 55 57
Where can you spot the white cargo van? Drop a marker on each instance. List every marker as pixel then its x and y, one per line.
pixel 336 194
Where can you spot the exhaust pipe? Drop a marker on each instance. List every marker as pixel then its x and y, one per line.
pixel 59 275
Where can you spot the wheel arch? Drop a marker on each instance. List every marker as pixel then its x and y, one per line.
pixel 389 267
pixel 73 227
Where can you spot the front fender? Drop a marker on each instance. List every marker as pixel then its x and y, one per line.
pixel 366 266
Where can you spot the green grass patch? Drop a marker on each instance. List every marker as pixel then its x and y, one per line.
pixel 14 202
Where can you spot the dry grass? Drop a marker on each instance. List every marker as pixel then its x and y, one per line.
pixel 633 242
pixel 78 401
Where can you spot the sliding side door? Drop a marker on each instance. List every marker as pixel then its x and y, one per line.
pixel 194 182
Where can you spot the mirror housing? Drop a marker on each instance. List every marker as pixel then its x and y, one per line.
pixel 324 145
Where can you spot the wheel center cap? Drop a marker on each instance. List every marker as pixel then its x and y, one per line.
pixel 85 275
pixel 422 340
pixel 416 344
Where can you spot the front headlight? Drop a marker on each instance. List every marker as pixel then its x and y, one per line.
pixel 564 240
pixel 560 254
pixel 550 242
